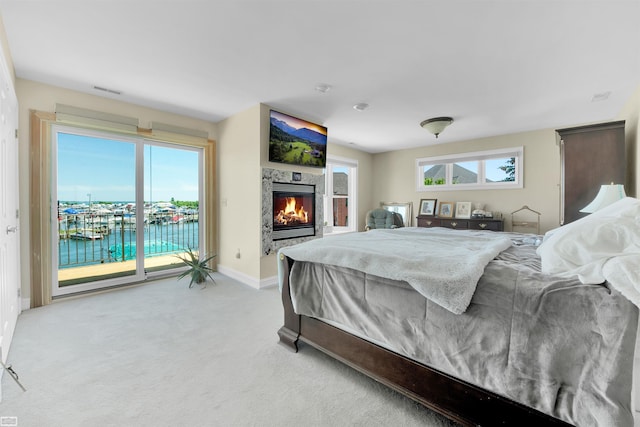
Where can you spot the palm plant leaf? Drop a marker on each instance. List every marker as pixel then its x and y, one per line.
pixel 198 268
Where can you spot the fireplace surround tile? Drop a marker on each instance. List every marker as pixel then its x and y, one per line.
pixel 269 176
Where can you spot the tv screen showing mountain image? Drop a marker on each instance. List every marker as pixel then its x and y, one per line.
pixel 296 141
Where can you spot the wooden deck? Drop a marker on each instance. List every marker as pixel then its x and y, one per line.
pixel 113 269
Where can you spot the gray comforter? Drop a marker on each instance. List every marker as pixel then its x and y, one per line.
pixel 556 345
pixel 443 265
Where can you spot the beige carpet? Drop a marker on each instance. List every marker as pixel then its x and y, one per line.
pixel 161 354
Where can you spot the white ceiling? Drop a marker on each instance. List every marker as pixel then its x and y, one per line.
pixel 496 67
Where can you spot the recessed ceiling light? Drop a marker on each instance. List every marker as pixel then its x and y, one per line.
pixel 600 96
pixel 361 106
pixel 323 87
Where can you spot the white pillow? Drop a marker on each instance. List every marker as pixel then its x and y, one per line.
pixel 583 247
pixel 549 233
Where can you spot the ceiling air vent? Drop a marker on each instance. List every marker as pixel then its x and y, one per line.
pixel 104 89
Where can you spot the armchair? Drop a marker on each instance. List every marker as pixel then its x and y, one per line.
pixel 382 218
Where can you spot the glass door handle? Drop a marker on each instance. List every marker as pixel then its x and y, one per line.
pixel 11 229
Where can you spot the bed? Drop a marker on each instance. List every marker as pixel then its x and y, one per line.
pixel 546 337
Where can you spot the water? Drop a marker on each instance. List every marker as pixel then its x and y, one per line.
pixel 118 239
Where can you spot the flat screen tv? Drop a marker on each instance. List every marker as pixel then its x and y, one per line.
pixel 296 141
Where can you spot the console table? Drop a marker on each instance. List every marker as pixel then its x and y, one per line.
pixel 461 224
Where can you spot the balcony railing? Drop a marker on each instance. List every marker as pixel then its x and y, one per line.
pixel 90 238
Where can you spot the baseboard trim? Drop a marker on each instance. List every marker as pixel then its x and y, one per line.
pixel 246 279
pixel 269 282
pixel 26 304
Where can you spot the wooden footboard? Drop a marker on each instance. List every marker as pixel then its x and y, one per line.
pixel 289 333
pixel 460 401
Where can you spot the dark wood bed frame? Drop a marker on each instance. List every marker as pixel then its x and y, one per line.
pixel 460 401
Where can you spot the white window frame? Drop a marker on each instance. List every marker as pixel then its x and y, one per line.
pixel 352 164
pixel 480 157
pixel 140 273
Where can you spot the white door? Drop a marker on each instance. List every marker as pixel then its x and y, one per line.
pixel 9 230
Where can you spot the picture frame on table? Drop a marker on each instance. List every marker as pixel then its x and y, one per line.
pixel 445 210
pixel 463 210
pixel 427 207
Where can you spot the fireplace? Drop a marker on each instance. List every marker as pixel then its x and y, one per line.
pixel 293 210
pixel 309 190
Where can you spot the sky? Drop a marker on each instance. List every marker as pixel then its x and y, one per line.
pixel 299 123
pixel 105 169
pixel 492 168
pixel 493 171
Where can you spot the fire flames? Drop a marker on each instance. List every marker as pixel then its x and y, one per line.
pixel 291 214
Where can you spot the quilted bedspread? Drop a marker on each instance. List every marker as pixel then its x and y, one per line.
pixel 443 265
pixel 554 344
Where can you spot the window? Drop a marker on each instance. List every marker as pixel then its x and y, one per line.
pixel 340 197
pixel 482 170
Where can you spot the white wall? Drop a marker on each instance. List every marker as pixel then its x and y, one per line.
pixel 394 172
pixel 395 176
pixel 240 206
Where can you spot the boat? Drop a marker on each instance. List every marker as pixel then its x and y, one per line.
pixel 81 234
pixel 177 219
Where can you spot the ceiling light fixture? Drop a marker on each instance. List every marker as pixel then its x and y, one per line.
pixel 361 106
pixel 436 125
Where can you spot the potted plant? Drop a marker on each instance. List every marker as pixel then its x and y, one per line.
pixel 198 269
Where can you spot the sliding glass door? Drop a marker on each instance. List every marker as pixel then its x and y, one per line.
pixel 124 208
pixel 172 188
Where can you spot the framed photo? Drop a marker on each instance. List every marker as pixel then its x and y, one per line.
pixel 427 207
pixel 445 210
pixel 463 210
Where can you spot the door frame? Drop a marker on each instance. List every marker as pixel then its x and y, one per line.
pixel 140 143
pixel 10 275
